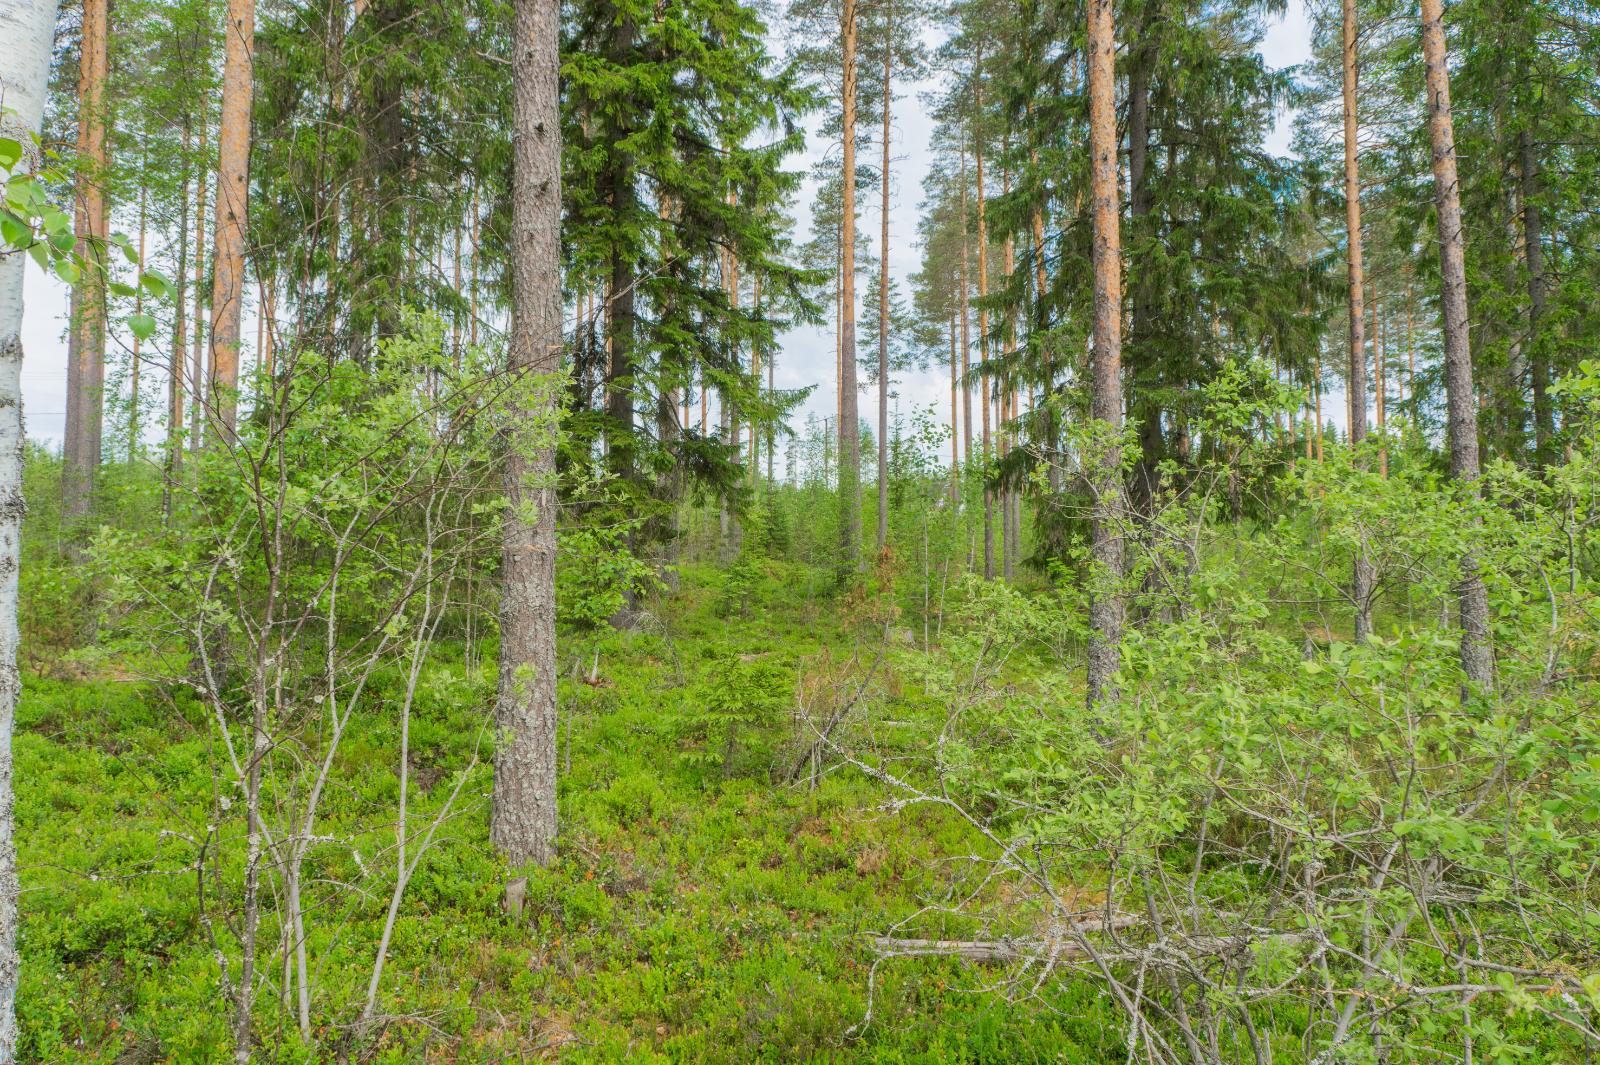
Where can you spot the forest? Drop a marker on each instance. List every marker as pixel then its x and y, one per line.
pixel 896 531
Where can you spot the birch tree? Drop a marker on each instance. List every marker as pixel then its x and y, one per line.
pixel 24 77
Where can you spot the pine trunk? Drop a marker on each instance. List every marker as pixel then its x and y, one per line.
pixel 1461 418
pixel 983 325
pixel 523 819
pixel 849 407
pixel 1362 577
pixel 1105 605
pixel 883 295
pixel 1533 242
pixel 232 219
pixel 87 340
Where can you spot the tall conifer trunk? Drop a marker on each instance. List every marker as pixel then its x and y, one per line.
pixel 232 221
pixel 984 387
pixel 1461 416
pixel 1362 578
pixel 849 406
pixel 522 823
pixel 1533 242
pixel 1105 605
pixel 86 347
pixel 883 291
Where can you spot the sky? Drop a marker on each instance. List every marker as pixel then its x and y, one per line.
pixel 806 355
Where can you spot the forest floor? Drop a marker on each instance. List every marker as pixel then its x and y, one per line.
pixel 704 908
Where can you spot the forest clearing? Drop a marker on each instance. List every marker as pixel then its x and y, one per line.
pixel 842 531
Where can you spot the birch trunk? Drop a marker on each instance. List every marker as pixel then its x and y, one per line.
pixel 24 81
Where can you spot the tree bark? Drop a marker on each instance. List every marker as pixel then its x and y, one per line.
pixel 87 341
pixel 983 321
pixel 883 292
pixel 1105 605
pixel 232 220
pixel 849 408
pixel 180 336
pixel 1533 240
pixel 1362 577
pixel 1461 418
pixel 966 317
pixel 523 820
pixel 24 83
pixel 197 391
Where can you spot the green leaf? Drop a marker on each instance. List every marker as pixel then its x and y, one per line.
pixel 155 283
pixel 14 232
pixel 118 288
pixel 143 325
pixel 10 152
pixel 68 271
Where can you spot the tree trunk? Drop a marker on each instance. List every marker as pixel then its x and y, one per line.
pixel 180 336
pixel 1533 240
pixel 138 308
pixel 523 820
pixel 24 83
pixel 983 322
pixel 1105 605
pixel 966 317
pixel 883 293
pixel 1461 419
pixel 955 410
pixel 197 392
pixel 87 341
pixel 232 220
pixel 1362 577
pixel 849 412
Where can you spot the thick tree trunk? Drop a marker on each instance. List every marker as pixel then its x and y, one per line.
pixel 849 412
pixel 86 346
pixel 1461 419
pixel 232 221
pixel 1105 606
pixel 1362 577
pixel 523 821
pixel 24 83
pixel 138 308
pixel 883 293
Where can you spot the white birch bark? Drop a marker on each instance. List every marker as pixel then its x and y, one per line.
pixel 27 27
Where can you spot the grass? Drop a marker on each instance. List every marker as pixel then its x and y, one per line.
pixel 699 911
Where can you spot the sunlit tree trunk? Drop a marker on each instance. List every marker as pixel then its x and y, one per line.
pixel 1362 578
pixel 523 819
pixel 232 222
pixel 849 412
pixel 24 83
pixel 1105 605
pixel 1461 418
pixel 86 347
pixel 966 315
